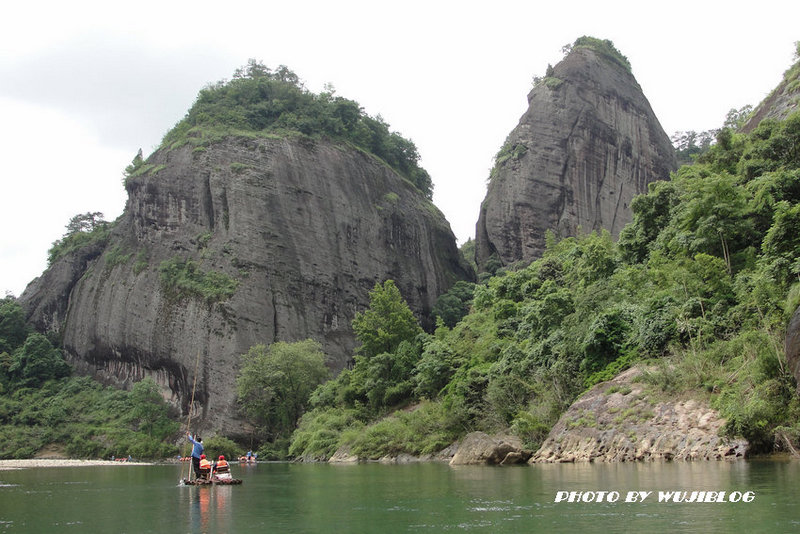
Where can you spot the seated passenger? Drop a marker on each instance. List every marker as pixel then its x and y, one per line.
pixel 222 469
pixel 205 467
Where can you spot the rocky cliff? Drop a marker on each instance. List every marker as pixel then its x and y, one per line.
pixel 247 240
pixel 588 143
pixel 782 101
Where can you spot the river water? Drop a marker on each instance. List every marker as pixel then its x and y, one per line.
pixel 430 497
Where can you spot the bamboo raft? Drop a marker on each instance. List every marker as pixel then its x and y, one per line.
pixel 211 482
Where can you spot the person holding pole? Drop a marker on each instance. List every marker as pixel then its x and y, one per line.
pixel 197 452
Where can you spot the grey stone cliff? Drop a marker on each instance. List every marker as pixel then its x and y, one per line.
pixel 306 228
pixel 588 143
pixel 780 103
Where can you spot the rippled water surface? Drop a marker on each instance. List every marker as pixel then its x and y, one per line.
pixel 400 498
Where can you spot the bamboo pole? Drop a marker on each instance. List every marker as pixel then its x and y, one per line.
pixel 191 407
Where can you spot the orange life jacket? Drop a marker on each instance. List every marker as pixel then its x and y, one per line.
pixel 205 465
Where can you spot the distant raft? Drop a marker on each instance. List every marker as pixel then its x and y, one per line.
pixel 214 481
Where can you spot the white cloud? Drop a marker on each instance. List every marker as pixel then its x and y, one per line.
pixel 53 168
pixel 85 84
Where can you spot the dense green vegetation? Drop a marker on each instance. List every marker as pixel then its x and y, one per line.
pixel 604 47
pixel 275 383
pixel 184 278
pixel 262 102
pixel 381 379
pixel 41 405
pixel 699 287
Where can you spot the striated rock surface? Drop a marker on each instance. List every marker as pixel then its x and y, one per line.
pixel 616 422
pixel 479 448
pixel 301 230
pixel 587 145
pixel 780 103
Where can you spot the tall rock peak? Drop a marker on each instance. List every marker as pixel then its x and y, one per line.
pixel 588 143
pixel 231 239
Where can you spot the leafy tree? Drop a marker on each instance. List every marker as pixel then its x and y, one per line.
pixel 782 244
pixel 714 218
pixel 37 361
pixel 13 329
pixel 467 251
pixel 85 222
pixel 690 144
pixel 391 344
pixel 149 411
pixel 275 383
pixel 454 304
pixel 606 339
pixel 82 230
pixel 386 323
pixel 385 380
pixel 736 118
pixel 435 368
pixel 220 445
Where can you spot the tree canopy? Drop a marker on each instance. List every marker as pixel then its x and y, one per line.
pixel 82 229
pixel 604 47
pixel 275 382
pixel 386 323
pixel 260 100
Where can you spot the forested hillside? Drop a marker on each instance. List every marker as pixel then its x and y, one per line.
pixel 43 407
pixel 699 287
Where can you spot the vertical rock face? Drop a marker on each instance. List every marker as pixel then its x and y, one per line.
pixel 587 145
pixel 303 230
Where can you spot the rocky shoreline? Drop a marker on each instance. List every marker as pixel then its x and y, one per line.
pixel 622 421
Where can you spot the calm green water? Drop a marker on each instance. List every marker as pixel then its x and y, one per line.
pixel 399 498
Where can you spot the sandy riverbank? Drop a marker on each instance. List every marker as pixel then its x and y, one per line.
pixel 42 462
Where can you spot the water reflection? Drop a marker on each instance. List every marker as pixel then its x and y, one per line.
pixel 210 508
pixel 401 498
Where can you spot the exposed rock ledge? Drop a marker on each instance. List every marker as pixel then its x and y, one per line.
pixel 617 422
pixel 345 456
pixel 478 448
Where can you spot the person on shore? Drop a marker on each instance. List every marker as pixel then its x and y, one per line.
pixel 197 452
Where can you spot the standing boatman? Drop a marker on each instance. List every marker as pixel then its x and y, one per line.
pixel 197 451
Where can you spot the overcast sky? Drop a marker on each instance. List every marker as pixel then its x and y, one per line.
pixel 84 85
